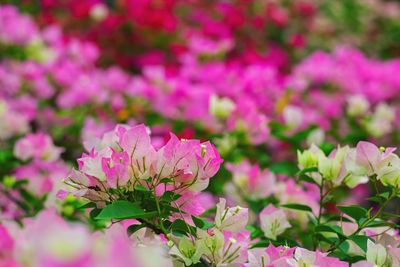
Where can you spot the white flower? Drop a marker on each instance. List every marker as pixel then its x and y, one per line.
pixel 221 107
pixel 293 116
pixel 357 105
pixel 376 253
pixel 273 222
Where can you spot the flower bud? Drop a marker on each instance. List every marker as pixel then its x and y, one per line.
pixel 309 158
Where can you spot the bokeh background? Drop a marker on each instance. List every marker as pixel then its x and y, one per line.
pixel 260 78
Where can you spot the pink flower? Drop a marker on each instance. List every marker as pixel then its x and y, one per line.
pixel 251 180
pixel 6 243
pixel 271 256
pixel 10 20
pixel 116 169
pixel 41 175
pixel 305 257
pixel 37 146
pixel 137 144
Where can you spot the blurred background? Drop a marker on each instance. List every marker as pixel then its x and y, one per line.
pixel 259 78
pixel 134 33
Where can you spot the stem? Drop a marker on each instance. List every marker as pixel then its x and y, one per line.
pixel 321 200
pixel 160 221
pixel 205 262
pixel 365 224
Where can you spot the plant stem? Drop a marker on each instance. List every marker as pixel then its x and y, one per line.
pixel 321 200
pixel 365 224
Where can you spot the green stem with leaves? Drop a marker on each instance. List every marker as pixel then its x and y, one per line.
pixel 367 222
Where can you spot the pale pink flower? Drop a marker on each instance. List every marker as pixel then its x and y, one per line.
pixel 273 222
pixel 230 219
pixel 37 146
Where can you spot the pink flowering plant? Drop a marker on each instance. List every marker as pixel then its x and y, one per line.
pixel 191 115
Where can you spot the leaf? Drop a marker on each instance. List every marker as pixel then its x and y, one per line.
pixel 329 240
pixel 336 218
pixel 378 223
pixel 165 181
pixel 202 223
pixel 180 227
pixel 326 147
pixel 307 170
pixel 308 179
pixel 329 229
pixel 380 198
pixel 94 212
pixel 284 167
pixel 122 209
pixel 388 215
pixel 141 188
pixel 87 206
pixel 302 174
pixel 360 240
pixel 20 183
pixel 134 227
pixel 254 231
pixel 208 212
pixel 295 206
pixel 355 212
pixel 260 244
pixel 170 196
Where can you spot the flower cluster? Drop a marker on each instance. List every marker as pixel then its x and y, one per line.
pixel 353 166
pixel 125 158
pixel 140 86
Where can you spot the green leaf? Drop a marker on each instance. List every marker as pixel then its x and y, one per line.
pixel 378 223
pixel 122 209
pixel 295 206
pixel 134 227
pixel 304 177
pixel 329 240
pixel 355 212
pixel 307 170
pixel 284 167
pixel 165 181
pixel 94 212
pixel 380 198
pixel 326 147
pixel 87 206
pixel 308 179
pixel 388 215
pixel 20 183
pixel 141 188
pixel 336 218
pixel 180 227
pixel 208 212
pixel 254 231
pixel 360 240
pixel 170 196
pixel 261 244
pixel 202 223
pixel 329 229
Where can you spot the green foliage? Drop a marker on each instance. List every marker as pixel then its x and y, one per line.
pixel 202 223
pixel 295 206
pixel 122 209
pixel 355 212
